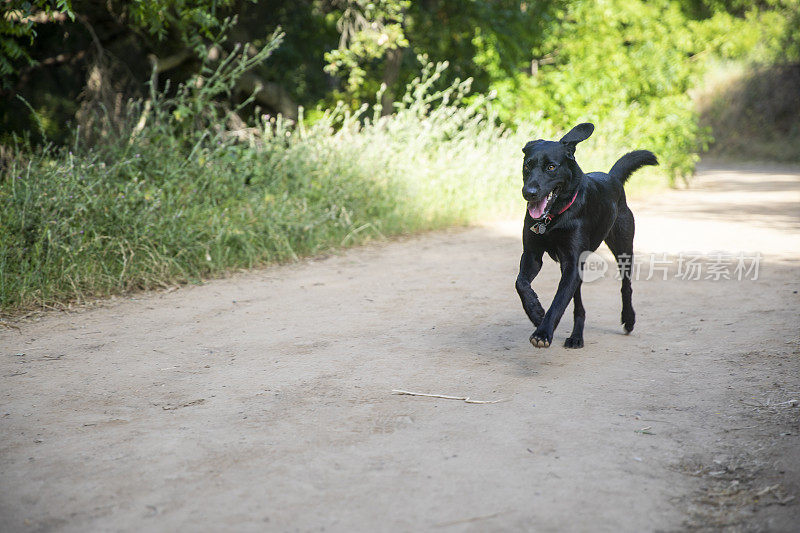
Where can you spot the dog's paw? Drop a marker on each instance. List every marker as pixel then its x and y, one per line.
pixel 573 342
pixel 628 319
pixel 541 339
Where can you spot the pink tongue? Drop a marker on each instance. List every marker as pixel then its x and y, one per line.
pixel 536 211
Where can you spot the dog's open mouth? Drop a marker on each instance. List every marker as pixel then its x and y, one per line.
pixel 539 208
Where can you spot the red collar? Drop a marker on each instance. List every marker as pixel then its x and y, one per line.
pixel 570 202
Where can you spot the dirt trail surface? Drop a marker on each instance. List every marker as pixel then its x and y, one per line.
pixel 264 402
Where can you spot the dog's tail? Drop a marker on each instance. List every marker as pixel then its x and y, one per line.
pixel 630 163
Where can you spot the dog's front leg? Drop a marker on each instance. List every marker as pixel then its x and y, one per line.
pixel 570 279
pixel 529 266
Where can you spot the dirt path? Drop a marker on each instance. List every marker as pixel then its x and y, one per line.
pixel 263 402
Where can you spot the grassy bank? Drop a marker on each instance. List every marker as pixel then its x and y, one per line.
pixel 184 192
pixel 754 111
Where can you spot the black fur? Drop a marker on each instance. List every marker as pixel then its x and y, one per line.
pixel 599 213
pixel 630 163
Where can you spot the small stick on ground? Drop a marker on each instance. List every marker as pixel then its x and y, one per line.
pixel 768 489
pixel 465 399
pixel 187 404
pixel 464 520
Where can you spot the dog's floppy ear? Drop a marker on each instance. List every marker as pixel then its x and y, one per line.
pixel 579 133
pixel 532 145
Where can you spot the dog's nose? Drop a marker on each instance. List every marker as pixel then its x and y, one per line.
pixel 529 192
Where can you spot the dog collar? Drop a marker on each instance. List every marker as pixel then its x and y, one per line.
pixel 540 227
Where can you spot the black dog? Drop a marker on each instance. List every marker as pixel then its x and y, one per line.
pixel 570 213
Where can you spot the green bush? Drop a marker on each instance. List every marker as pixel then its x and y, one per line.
pixel 624 65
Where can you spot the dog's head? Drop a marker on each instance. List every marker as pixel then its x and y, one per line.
pixel 549 168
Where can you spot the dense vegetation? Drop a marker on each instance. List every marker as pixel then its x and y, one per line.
pixel 145 143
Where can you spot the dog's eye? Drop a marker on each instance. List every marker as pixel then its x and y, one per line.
pixel 551 168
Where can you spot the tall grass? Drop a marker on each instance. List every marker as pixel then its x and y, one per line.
pixel 184 191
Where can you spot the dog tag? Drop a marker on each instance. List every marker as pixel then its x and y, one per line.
pixel 538 228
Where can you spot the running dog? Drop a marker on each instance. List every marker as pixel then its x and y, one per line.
pixel 569 214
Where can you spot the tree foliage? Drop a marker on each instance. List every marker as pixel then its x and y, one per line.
pixel 18 28
pixel 630 62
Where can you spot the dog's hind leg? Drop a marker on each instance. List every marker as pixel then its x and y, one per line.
pixel 620 242
pixel 529 266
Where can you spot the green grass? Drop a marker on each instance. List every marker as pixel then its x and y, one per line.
pixel 174 198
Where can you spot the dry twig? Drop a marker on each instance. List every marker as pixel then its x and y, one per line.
pixel 465 399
